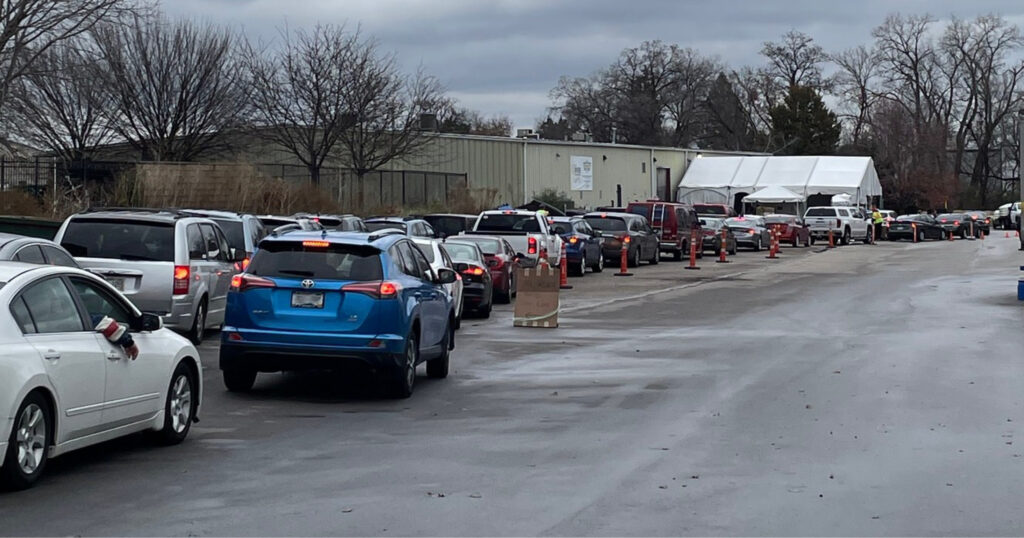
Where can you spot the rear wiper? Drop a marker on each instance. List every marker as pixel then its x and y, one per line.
pixel 136 257
pixel 296 272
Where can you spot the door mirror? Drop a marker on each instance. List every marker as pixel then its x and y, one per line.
pixel 150 322
pixel 445 275
pixel 237 255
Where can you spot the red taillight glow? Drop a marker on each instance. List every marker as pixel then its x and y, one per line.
pixel 242 265
pixel 943 220
pixel 375 289
pixel 316 244
pixel 181 274
pixel 573 240
pixel 626 239
pixel 752 231
pixel 531 245
pixel 243 282
pixel 234 337
pixel 475 271
pixel 956 223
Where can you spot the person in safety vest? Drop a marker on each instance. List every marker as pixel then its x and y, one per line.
pixel 876 220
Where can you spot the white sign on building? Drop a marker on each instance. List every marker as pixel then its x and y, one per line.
pixel 582 178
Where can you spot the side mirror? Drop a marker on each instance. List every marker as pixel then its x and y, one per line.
pixel 445 275
pixel 151 322
pixel 237 255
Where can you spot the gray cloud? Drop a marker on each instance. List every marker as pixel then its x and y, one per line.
pixel 504 56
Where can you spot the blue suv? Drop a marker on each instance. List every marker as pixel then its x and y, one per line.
pixel 313 300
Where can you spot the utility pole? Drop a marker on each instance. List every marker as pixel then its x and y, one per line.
pixel 1020 170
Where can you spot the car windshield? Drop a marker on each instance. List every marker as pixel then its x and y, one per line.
pixel 291 259
pixel 501 222
pixel 607 224
pixel 640 209
pixel 486 244
pixel 820 212
pixel 376 226
pixel 463 252
pixel 120 239
pixel 234 231
pixel 708 209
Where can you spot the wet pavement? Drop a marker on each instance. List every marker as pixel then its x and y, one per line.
pixel 866 390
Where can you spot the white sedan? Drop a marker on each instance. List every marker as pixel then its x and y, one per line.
pixel 438 258
pixel 63 386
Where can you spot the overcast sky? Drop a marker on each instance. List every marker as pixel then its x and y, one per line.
pixel 504 56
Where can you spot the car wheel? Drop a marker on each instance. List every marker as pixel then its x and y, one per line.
pixel 580 269
pixel 677 255
pixel 920 235
pixel 180 407
pixel 403 378
pixel 809 241
pixel 845 240
pixel 963 234
pixel 438 368
pixel 29 443
pixel 198 330
pixel 796 242
pixel 757 244
pixel 733 250
pixel 485 311
pixel 718 250
pixel 239 379
pixel 634 259
pixel 656 259
pixel 599 266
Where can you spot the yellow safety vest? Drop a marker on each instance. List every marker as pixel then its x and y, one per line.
pixel 877 217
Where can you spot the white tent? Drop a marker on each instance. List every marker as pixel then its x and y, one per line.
pixel 723 179
pixel 773 195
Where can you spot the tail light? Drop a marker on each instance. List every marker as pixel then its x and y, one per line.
pixel 956 223
pixel 839 223
pixel 376 289
pixel 181 278
pixel 242 265
pixel 752 231
pixel 474 271
pixel 244 282
pixel 573 240
pixel 531 245
pixel 943 220
pixel 316 244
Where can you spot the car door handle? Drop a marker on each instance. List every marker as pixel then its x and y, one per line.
pixel 113 355
pixel 51 355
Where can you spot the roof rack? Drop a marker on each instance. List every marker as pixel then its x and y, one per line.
pixel 379 234
pixel 173 211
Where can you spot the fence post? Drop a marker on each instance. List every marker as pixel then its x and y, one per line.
pixel 403 188
pixel 3 174
pixel 36 186
pixel 446 195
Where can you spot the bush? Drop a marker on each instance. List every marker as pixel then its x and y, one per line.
pixel 555 198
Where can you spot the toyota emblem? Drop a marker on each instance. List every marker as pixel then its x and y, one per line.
pixel 308 283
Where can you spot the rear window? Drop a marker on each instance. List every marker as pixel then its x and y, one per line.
pixel 448 225
pixel 489 246
pixel 712 224
pixel 779 220
pixel 561 228
pixel 234 231
pixel 644 210
pixel 499 222
pixel 821 212
pixel 463 252
pixel 951 216
pixel 914 218
pixel 379 225
pixel 606 224
pixel 290 259
pixel 270 222
pixel 709 209
pixel 119 239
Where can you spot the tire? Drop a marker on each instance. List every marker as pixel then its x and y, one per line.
pixel 796 241
pixel 502 297
pixel 718 251
pixel 920 235
pixel 239 379
pixel 579 269
pixel 845 240
pixel 33 423
pixel 438 368
pixel 677 255
pixel 657 257
pixel 599 266
pixel 198 330
pixel 403 376
pixel 963 234
pixel 732 252
pixel 634 258
pixel 485 312
pixel 757 245
pixel 867 237
pixel 180 406
pixel 809 241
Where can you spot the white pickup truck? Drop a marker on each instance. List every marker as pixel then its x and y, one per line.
pixel 526 231
pixel 846 223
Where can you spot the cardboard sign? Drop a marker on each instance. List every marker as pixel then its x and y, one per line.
pixel 537 299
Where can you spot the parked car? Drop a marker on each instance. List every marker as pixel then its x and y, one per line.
pixel 957 223
pixel 64 387
pixel 20 248
pixel 1001 217
pixel 845 223
pixel 982 222
pixel 242 231
pixel 438 258
pixel 409 226
pixel 274 223
pixel 625 228
pixel 712 238
pixel 169 262
pixel 501 261
pixel 674 223
pixel 750 231
pixel 477 284
pixel 449 224
pixel 924 226
pixel 527 231
pixel 341 223
pixel 790 229
pixel 723 211
pixel 318 300
pixel 583 244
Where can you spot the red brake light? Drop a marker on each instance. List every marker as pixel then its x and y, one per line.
pixel 604 215
pixel 475 271
pixel 531 245
pixel 956 222
pixel 243 282
pixel 573 240
pixel 375 289
pixel 316 244
pixel 626 239
pixel 943 220
pixel 388 289
pixel 752 231
pixel 181 278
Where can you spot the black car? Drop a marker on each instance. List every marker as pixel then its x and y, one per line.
pixel 449 224
pixel 409 226
pixel 959 224
pixel 583 244
pixel 641 240
pixel 982 222
pixel 712 239
pixel 477 283
pixel 925 226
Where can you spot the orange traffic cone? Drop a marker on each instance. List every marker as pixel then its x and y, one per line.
pixel 563 282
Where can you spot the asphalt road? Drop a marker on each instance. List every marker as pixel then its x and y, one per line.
pixel 859 391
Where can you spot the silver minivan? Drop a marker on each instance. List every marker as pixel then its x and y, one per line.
pixel 171 263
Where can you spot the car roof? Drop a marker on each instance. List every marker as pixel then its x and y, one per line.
pixel 151 215
pixel 381 238
pixel 6 238
pixel 11 269
pixel 216 214
pixel 451 215
pixel 570 218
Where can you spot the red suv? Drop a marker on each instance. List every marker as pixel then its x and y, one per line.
pixel 674 223
pixel 718 211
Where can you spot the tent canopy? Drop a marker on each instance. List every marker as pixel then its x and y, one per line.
pixel 773 195
pixel 723 178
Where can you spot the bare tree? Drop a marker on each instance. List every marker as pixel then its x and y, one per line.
pixel 31 27
pixel 177 86
pixel 855 85
pixel 299 95
pixel 796 60
pixel 687 99
pixel 59 106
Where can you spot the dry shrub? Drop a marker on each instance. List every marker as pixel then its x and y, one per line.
pixel 16 202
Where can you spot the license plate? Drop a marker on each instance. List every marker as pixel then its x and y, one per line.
pixel 118 283
pixel 305 299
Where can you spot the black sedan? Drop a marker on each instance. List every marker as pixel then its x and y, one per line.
pixel 906 226
pixel 982 222
pixel 477 284
pixel 641 240
pixel 958 223
pixel 712 240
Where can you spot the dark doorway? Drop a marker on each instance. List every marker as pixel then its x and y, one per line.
pixel 663 181
pixel 737 202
